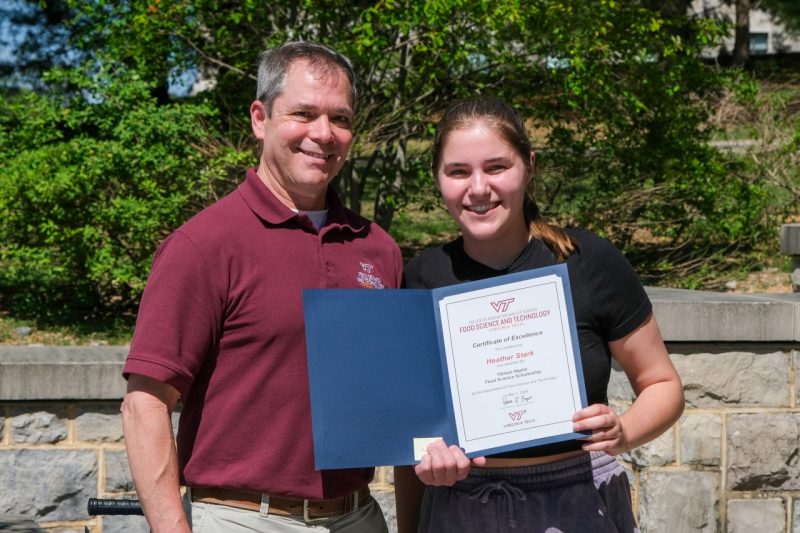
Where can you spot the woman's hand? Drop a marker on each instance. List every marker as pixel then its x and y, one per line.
pixel 444 465
pixel 606 427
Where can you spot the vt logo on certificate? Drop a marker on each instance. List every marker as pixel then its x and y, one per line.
pixel 492 365
pixel 501 306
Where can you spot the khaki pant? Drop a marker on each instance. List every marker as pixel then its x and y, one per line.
pixel 211 518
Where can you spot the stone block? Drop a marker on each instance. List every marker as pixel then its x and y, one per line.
pixel 701 439
pixel 658 452
pixel 619 388
pixel 39 424
pixel 629 473
pixel 679 502
pixel 19 524
pixel 734 378
pixel 98 423
pixel 790 239
pixel 125 524
pixel 385 499
pixel 763 452
pixel 746 516
pixel 796 358
pixel 118 473
pixel 176 416
pixel 795 515
pixel 47 485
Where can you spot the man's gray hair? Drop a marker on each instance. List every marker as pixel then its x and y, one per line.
pixel 274 64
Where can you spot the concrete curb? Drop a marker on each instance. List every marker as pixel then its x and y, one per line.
pixel 685 315
pixel 62 373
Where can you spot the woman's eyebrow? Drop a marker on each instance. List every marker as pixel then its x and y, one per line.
pixel 499 159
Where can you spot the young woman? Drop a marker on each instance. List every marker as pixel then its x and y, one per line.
pixel 483 165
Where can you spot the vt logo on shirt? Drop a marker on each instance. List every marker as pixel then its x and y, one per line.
pixel 367 279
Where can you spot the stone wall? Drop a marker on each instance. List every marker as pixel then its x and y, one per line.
pixel 732 463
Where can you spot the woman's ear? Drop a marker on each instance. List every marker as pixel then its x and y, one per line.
pixel 533 166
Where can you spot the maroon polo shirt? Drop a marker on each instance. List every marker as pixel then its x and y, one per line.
pixel 221 320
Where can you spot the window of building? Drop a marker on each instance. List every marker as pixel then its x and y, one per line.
pixel 759 43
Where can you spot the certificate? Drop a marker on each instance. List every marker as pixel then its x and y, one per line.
pixel 510 363
pixel 490 365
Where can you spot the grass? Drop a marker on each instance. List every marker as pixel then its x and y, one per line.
pixel 414 229
pixel 15 331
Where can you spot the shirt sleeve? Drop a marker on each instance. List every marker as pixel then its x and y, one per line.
pixel 618 299
pixel 180 317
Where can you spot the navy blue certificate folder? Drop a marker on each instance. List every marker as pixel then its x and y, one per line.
pixel 378 373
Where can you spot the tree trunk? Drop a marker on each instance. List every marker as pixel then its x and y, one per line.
pixel 741 47
pixel 388 192
pixel 386 199
pixel 670 8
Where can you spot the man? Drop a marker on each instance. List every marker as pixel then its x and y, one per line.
pixel 220 326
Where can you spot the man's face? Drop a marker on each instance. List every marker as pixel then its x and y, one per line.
pixel 307 138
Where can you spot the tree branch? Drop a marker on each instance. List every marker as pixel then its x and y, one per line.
pixel 213 60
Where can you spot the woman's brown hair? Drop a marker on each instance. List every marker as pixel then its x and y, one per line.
pixel 503 119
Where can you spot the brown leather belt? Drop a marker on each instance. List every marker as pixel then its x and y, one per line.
pixel 281 505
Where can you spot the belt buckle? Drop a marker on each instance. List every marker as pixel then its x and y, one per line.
pixel 311 521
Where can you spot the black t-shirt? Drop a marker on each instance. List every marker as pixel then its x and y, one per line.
pixel 608 298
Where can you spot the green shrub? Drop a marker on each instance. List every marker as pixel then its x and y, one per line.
pixel 90 185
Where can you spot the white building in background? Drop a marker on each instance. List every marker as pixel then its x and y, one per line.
pixel 766 35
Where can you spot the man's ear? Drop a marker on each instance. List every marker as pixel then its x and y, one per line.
pixel 258 115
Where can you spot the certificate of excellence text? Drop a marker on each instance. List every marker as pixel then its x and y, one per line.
pixel 510 363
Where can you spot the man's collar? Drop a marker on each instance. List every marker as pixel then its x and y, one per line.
pixel 269 208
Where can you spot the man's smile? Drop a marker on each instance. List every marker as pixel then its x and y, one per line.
pixel 315 155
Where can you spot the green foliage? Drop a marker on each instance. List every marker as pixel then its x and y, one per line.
pixel 619 88
pixel 102 162
pixel 786 11
pixel 626 110
pixel 90 185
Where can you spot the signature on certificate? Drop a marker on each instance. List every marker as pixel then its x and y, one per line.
pixel 516 399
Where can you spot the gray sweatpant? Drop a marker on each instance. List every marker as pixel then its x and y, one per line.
pixel 589 492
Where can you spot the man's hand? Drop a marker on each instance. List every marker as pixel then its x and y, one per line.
pixel 443 465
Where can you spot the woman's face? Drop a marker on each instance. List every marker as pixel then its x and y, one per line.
pixel 483 181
